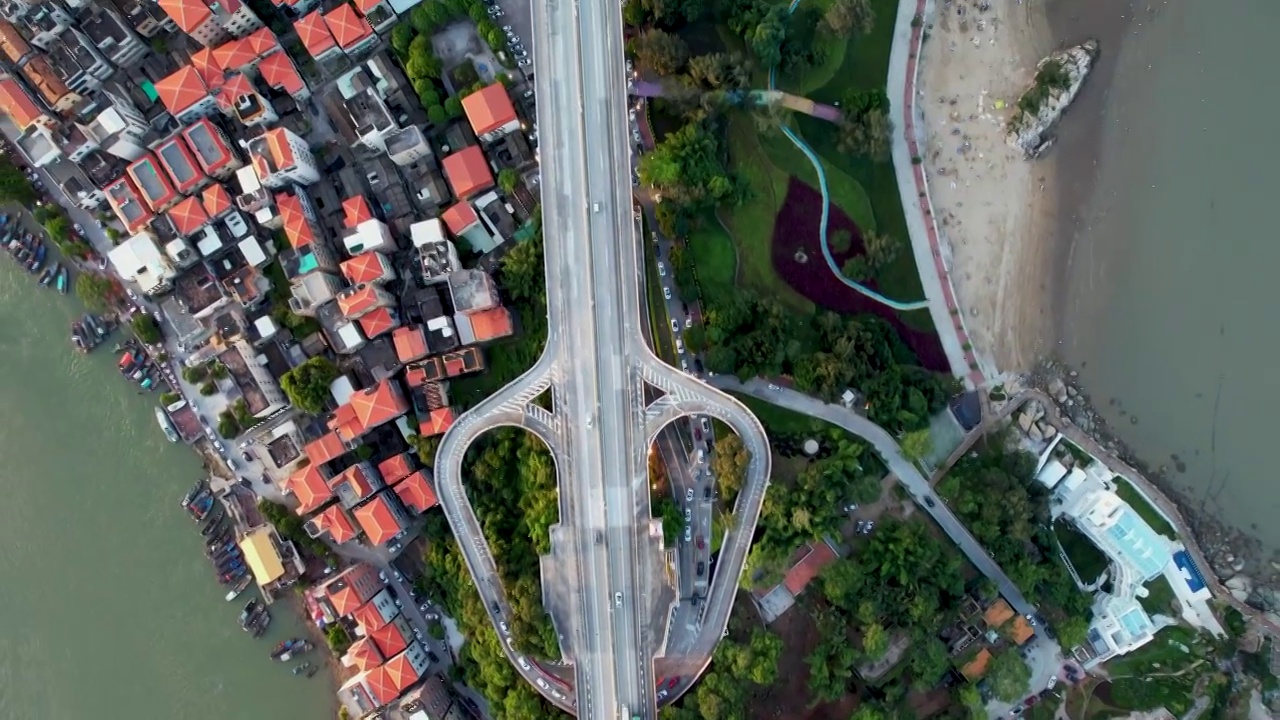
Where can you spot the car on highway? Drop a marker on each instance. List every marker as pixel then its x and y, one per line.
pixel 503 626
pixel 524 662
pixel 679 345
pixel 697 435
pixel 528 94
pixel 688 533
pixel 675 325
pixel 520 54
pixel 702 568
pixel 396 574
pixel 662 270
pixel 706 425
pixel 688 321
pixel 706 493
pixel 1052 682
pixel 617 599
pixel 929 501
pixel 688 515
pixel 688 495
pixel 542 683
pixel 523 63
pixel 217 445
pixel 701 543
pixel 1031 619
pixel 671 684
pixel 870 526
pixel 850 507
pixel 858 528
pixel 773 387
pixel 417 633
pixel 506 29
pixel 684 365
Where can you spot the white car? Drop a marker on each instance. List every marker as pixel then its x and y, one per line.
pixel 524 63
pixel 1052 682
pixel 706 425
pixel 688 533
pixel 617 599
pixel 684 365
pixel 675 325
pixel 688 495
pixel 679 345
pixel 524 663
pixel 688 321
pixel 217 445
pixel 688 514
pixel 666 292
pixel 662 269
pixel 503 627
pixel 542 683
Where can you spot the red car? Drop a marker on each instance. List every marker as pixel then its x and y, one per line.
pixel 700 543
pixel 672 682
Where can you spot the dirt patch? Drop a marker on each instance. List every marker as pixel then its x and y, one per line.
pixel 789 696
pixel 798 260
pixel 928 704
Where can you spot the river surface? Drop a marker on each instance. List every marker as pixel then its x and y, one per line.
pixel 1170 312
pixel 108 608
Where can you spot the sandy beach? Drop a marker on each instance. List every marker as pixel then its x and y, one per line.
pixel 996 211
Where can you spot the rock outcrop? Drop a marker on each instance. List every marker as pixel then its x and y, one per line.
pixel 1058 81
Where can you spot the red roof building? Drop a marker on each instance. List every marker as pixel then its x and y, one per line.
pixel 389 638
pixel 216 201
pixel 362 269
pixel 128 205
pixel 352 588
pixel 349 30
pixel 325 448
pixel 377 322
pixel 210 71
pixel 197 19
pixel 355 211
pixel 181 165
pixel 369 618
pixel 308 486
pixel 395 468
pixel 416 493
pixel 153 184
pixel 188 216
pixel 490 111
pixel 210 147
pixel 405 669
pixel 20 107
pixel 235 54
pixel 279 72
pixel 368 409
pixel 468 172
pixel 459 218
pixel 353 484
pixel 315 36
pixel 334 520
pixel 440 420
pixel 410 342
pixel 362 299
pixel 363 655
pixel 297 226
pixel 182 90
pixel 262 41
pixel 416 376
pixel 491 324
pixel 819 555
pixel 381 686
pixel 380 521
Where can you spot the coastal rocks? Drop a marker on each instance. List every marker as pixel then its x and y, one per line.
pixel 1240 587
pixel 1058 80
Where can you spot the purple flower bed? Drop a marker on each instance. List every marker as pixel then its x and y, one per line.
pixel 796 230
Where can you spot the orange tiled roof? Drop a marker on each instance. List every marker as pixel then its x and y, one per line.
pixel 371 407
pixel 390 640
pixel 410 342
pixel 415 376
pixel 237 86
pixel 309 487
pixel 296 225
pixel 234 54
pixel 369 618
pixel 491 324
pixel 459 217
pixel 262 41
pixel 181 89
pixel 15 46
pixel 489 108
pixel 189 15
pixel 439 421
pixel 377 519
pixel 363 268
pixel 207 65
pixel 416 493
pixel 278 71
pixel 381 685
pixel 188 216
pixel 401 672
pixel 356 210
pixel 357 303
pixel 798 577
pixel 377 322
pixel 18 105
pixel 977 667
pixel 367 6
pixel 347 27
pixel 998 614
pixel 325 448
pixel 354 477
pixel 278 144
pixel 215 200
pixel 314 33
pixel 334 521
pixel 343 597
pixel 364 655
pixel 212 138
pixel 395 468
pixel 468 172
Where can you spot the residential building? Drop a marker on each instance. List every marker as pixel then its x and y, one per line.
pixel 216 201
pixel 367 409
pixel 370 267
pixel 411 343
pixel 463 221
pixel 295 8
pixel 367 235
pixel 153 185
pixel 146 17
pixel 139 259
pixel 334 522
pixel 257 385
pixel 436 254
pixel 12 44
pixel 378 322
pixel 181 165
pixel 22 108
pixel 257 200
pixel 313 290
pixel 407 145
pixel 382 518
pixel 351 588
pixel 195 18
pixel 185 95
pixel 434 698
pixel 355 484
pixel 278 72
pixel 212 149
pixel 128 204
pixel 282 158
pixel 342 335
pixel 490 112
pixel 377 13
pixel 113 37
pixel 355 302
pixel 396 468
pixel 79 63
pixel 121 134
pixel 309 485
pixel 468 172
pixel 48 82
pixel 76 185
pixel 188 216
pixel 472 291
pixel 370 119
pixel 483 326
pixel 316 38
pixel 40 147
pixel 240 98
pixel 350 31
pixel 264 552
pixel 388 681
pixel 44 23
pixel 198 293
pixel 416 492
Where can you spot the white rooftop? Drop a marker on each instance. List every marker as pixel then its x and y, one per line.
pixel 427 232
pixel 139 259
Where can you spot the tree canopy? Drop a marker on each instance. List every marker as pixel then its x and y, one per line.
pixel 95 291
pixel 146 328
pixel 662 52
pixel 1008 676
pixel 845 17
pixel 307 385
pixel 688 168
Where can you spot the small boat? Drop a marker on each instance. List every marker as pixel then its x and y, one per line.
pixel 301 668
pixel 99 328
pixel 191 494
pixel 312 672
pixel 214 524
pixel 61 281
pixel 247 611
pixel 240 587
pixel 166 425
pixel 47 277
pixel 77 337
pixel 281 648
pixel 41 250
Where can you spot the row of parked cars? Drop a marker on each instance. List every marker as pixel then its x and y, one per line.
pixel 513 40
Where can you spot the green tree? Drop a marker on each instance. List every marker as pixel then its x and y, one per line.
pixel 687 168
pixel 337 638
pixel 929 660
pixel 401 37
pixel 767 37
pixel 453 107
pixel 832 662
pixel 208 389
pixel 507 180
pixel 845 17
pixel 146 328
pixel 634 13
pixel 1008 676
pixel 95 291
pixel 14 186
pixel 875 641
pixel 228 427
pixel 662 52
pixel 422 65
pixel 1072 631
pixel 867 134
pixel 971 699
pixel 428 97
pixel 917 444
pixel 867 711
pixel 307 385
pixel 881 249
pixel 856 268
pixel 437 115
pixel 113 235
pixel 840 240
pixel 729 462
pixel 728 71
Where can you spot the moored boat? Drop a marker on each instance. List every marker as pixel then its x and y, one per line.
pixel 300 668
pixel 166 425
pixel 61 281
pixel 47 277
pixel 312 672
pixel 239 587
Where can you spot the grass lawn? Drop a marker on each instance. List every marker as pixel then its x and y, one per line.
pixel 1145 510
pixel 1088 560
pixel 1167 652
pixel 507 360
pixel 711 250
pixel 779 419
pixel 1160 597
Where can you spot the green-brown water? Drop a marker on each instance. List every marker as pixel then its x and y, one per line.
pixel 108 607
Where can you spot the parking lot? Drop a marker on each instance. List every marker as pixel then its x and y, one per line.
pixel 517 14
